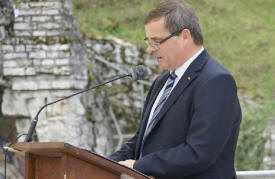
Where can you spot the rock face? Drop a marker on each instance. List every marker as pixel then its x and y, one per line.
pixel 43 62
pixel 114 56
pixel 121 100
pixel 45 59
pixel 6 19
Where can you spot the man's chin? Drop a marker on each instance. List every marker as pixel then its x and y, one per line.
pixel 162 67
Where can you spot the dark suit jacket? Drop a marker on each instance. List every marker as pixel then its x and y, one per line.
pixel 196 132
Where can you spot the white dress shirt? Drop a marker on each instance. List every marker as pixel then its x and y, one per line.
pixel 179 72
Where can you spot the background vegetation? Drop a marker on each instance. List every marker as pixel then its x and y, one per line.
pixel 239 34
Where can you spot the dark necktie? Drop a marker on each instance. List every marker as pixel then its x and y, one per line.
pixel 160 104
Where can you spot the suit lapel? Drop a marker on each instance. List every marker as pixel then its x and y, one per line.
pixel 158 86
pixel 187 78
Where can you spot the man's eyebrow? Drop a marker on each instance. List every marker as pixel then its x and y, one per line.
pixel 152 38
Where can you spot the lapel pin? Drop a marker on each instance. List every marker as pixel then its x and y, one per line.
pixel 189 78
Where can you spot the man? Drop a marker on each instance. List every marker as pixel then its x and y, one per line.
pixel 191 116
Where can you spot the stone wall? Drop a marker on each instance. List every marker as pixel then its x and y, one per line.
pixel 45 60
pixel 111 56
pixel 42 62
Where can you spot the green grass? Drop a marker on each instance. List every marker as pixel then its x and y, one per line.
pixel 239 34
pixel 250 149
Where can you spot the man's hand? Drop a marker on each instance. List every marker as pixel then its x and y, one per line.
pixel 128 163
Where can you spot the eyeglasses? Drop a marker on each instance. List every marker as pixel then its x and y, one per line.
pixel 156 45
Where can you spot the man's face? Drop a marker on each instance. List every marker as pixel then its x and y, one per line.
pixel 168 55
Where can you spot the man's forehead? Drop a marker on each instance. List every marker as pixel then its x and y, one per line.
pixel 156 23
pixel 156 28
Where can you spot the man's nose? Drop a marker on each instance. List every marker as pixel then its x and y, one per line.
pixel 150 49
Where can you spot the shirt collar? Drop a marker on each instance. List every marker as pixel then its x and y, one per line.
pixel 181 70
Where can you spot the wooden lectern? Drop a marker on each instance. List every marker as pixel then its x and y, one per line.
pixel 57 160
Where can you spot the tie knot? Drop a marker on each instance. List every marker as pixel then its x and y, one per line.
pixel 173 75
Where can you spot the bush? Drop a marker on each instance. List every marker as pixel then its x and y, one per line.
pixel 251 144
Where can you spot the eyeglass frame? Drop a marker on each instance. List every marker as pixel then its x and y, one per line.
pixel 156 45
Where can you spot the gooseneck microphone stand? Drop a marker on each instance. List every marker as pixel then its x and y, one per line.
pixel 34 121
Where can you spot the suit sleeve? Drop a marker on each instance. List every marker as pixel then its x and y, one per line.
pixel 210 128
pixel 127 151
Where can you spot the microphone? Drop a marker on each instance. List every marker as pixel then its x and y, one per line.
pixel 137 73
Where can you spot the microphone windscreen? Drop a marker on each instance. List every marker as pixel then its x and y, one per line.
pixel 139 72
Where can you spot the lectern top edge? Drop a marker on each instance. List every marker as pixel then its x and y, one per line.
pixel 50 149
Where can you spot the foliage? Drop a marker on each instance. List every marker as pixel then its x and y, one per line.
pixel 250 150
pixel 239 34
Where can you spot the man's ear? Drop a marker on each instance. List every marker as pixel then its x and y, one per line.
pixel 186 34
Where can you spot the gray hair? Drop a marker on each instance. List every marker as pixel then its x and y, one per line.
pixel 178 16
